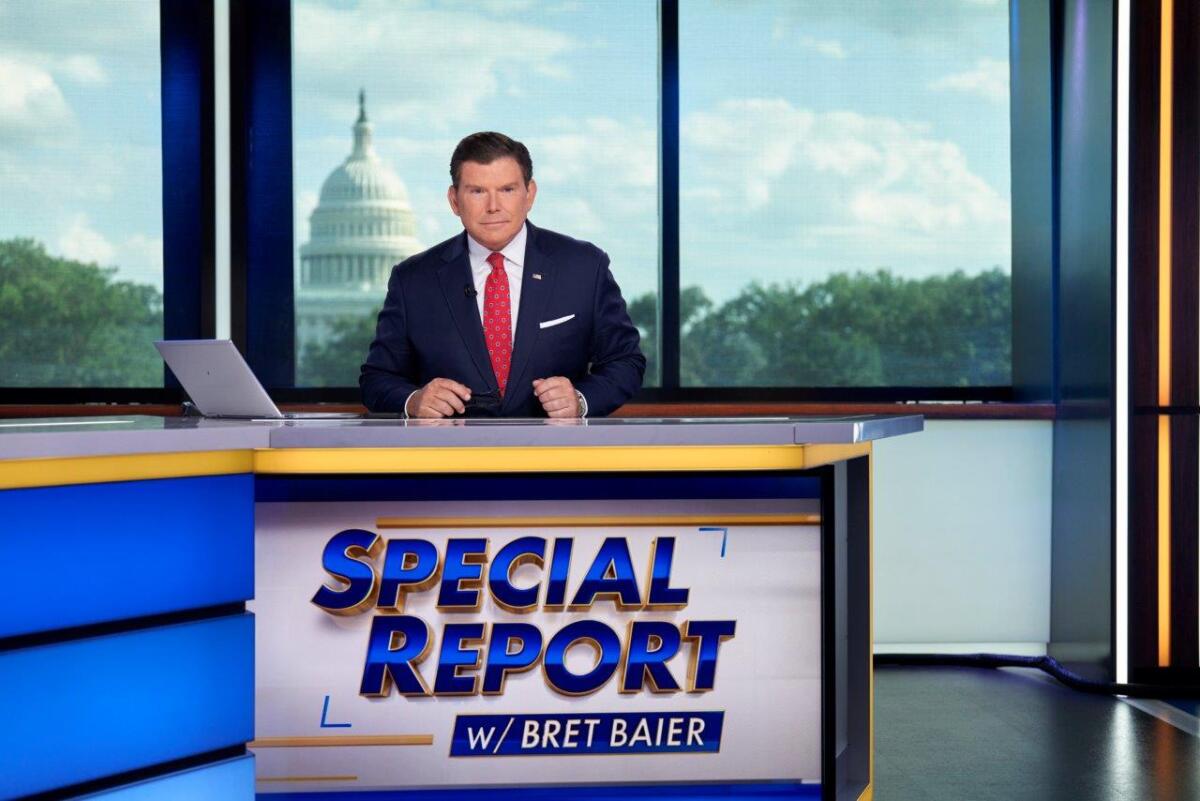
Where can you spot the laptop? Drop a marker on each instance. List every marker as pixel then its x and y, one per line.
pixel 221 384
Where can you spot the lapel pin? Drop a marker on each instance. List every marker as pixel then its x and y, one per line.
pixel 537 276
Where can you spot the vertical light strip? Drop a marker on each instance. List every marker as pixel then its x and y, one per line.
pixel 1165 117
pixel 1121 466
pixel 1164 540
pixel 221 163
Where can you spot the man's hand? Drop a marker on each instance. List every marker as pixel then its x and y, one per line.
pixel 441 397
pixel 557 396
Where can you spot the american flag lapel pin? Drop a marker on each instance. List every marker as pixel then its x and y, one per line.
pixel 537 276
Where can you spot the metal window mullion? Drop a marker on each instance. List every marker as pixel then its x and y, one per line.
pixel 668 274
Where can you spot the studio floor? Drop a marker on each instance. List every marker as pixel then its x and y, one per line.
pixel 963 734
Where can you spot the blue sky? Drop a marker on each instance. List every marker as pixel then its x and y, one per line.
pixel 822 137
pixel 80 131
pixel 817 136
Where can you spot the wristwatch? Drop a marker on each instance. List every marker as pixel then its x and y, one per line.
pixel 582 403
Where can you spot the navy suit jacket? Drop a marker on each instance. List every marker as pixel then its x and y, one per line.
pixel 429 328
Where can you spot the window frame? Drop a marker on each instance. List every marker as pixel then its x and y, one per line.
pixel 262 301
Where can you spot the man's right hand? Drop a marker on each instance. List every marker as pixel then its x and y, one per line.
pixel 441 397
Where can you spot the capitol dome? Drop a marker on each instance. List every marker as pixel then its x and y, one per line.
pixel 363 225
pixel 363 176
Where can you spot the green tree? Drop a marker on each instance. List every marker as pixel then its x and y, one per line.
pixel 66 323
pixel 335 361
pixel 851 329
pixel 643 310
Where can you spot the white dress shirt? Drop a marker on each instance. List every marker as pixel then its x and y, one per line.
pixel 514 265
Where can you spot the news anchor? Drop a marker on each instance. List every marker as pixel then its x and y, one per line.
pixel 505 319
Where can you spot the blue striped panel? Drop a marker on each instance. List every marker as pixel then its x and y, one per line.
pixel 93 553
pixel 85 709
pixel 228 780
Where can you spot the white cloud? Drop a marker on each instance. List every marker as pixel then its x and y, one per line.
pixel 826 47
pixel 78 26
pixel 30 101
pixel 783 29
pixel 82 242
pixel 83 69
pixel 72 39
pixel 854 189
pixel 306 202
pixel 601 151
pixel 988 79
pixel 885 164
pixel 504 7
pixel 79 178
pixel 422 67
pixel 140 258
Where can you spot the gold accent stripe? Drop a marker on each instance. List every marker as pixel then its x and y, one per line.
pixel 596 520
pixel 55 471
pixel 550 459
pixel 308 779
pixel 346 740
pixel 1164 540
pixel 52 472
pixel 869 793
pixel 1165 145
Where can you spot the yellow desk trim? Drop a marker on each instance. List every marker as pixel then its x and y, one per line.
pixel 61 471
pixel 542 459
pixel 57 472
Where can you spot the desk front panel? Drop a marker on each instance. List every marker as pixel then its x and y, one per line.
pixel 352 699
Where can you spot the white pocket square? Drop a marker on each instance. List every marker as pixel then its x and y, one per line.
pixel 556 321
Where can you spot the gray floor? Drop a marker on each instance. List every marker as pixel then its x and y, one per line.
pixel 961 734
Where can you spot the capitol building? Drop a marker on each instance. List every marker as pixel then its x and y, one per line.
pixel 362 226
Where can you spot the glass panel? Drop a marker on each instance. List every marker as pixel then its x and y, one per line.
pixel 80 194
pixel 577 83
pixel 845 195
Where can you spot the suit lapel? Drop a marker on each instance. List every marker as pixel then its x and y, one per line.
pixel 454 276
pixel 535 291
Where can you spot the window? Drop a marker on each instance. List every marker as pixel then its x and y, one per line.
pixel 844 194
pixel 381 94
pixel 81 254
pixel 835 187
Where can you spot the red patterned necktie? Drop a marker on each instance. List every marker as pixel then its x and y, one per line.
pixel 497 320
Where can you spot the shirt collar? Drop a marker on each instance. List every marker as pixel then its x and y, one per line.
pixel 514 251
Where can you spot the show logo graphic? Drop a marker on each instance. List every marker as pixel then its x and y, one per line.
pixel 479 657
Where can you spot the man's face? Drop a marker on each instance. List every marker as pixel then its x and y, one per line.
pixel 492 200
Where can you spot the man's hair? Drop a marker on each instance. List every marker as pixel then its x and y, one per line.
pixel 484 148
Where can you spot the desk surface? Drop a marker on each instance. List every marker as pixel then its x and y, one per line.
pixel 90 436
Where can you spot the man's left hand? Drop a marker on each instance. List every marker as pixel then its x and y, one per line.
pixel 557 396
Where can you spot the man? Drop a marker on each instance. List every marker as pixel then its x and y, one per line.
pixel 505 319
